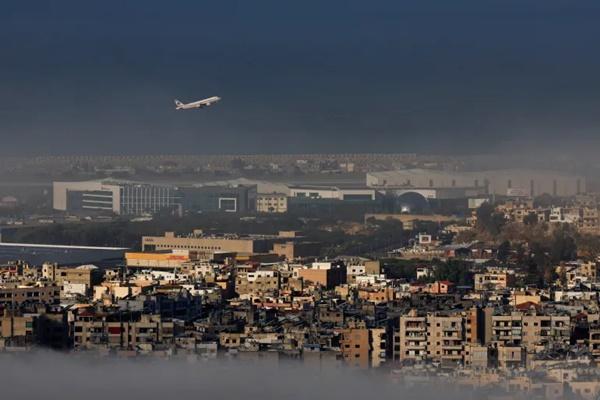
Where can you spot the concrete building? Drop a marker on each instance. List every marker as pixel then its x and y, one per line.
pixel 294 250
pixel 208 198
pixel 118 197
pixel 325 274
pixel 87 275
pixel 493 280
pixel 38 254
pixel 445 339
pixel 511 357
pixel 257 282
pixel 271 203
pixel 134 198
pixel 121 331
pixel 333 193
pixel 530 330
pixel 197 241
pixel 14 295
pixel 17 330
pixel 156 261
pixel 508 182
pixel 594 342
pixel 539 330
pixel 476 356
pixel 410 343
pixel 507 330
pixel 355 345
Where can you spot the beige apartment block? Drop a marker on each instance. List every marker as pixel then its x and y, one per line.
pixel 257 282
pixel 411 341
pixel 97 332
pixel 539 330
pixel 507 329
pixel 355 346
pixel 445 338
pixel 87 275
pixel 17 294
pixel 493 280
pixel 510 356
pixel 16 326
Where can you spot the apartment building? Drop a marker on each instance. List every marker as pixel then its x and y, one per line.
pixel 355 345
pixel 294 250
pixel 430 337
pixel 120 331
pixel 257 282
pixel 12 294
pixel 325 274
pixel 510 357
pixel 539 330
pixel 378 337
pixel 445 336
pixel 507 330
pixel 410 342
pixel 17 329
pixel 476 356
pixel 87 275
pixel 578 271
pixel 589 220
pixel 530 330
pixel 493 280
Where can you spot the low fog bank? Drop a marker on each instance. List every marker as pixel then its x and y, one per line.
pixel 58 376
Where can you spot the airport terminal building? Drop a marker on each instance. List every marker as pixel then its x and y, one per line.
pixel 507 182
pixel 135 199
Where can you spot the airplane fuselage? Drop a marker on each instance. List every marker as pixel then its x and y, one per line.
pixel 196 104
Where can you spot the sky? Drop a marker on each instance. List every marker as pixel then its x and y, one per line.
pixel 431 76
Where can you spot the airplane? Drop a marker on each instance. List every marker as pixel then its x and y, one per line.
pixel 196 104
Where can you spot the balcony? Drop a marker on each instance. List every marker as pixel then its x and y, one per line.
pixel 416 347
pixel 414 328
pixel 416 337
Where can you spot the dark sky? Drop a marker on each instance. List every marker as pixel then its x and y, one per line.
pixel 316 76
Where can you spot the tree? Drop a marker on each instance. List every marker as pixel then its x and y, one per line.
pixel 530 219
pixel 562 246
pixel 588 246
pixel 455 271
pixel 504 251
pixel 489 220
